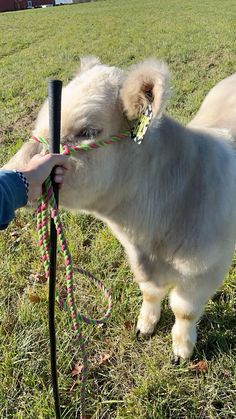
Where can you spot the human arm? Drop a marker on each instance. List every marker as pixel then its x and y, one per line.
pixel 13 193
pixel 12 196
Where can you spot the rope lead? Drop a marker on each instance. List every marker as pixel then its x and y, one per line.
pixel 47 204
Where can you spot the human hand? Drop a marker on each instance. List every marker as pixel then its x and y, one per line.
pixel 40 167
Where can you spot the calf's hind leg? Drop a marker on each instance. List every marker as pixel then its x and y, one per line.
pixel 151 307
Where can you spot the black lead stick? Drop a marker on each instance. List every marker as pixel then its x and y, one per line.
pixel 54 95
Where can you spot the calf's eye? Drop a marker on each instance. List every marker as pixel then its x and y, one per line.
pixel 88 133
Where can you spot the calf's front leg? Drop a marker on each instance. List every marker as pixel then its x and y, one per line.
pixel 151 307
pixel 187 305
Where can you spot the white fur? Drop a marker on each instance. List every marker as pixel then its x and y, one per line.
pixel 170 201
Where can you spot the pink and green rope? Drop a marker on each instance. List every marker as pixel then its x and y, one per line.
pixel 69 150
pixel 47 206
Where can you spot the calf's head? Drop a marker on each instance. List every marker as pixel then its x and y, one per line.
pixel 101 101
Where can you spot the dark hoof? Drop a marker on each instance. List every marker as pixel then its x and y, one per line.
pixel 138 334
pixel 141 337
pixel 174 359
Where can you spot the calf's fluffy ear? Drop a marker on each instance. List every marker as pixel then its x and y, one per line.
pixel 88 62
pixel 146 82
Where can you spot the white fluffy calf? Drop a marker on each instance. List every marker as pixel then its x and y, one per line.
pixel 171 201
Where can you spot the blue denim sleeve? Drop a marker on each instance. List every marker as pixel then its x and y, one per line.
pixel 12 196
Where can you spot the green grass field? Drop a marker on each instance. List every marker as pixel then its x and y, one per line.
pixel 128 378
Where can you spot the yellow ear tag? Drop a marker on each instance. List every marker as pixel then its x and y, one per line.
pixel 142 125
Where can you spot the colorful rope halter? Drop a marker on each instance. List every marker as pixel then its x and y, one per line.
pixel 69 150
pixel 47 205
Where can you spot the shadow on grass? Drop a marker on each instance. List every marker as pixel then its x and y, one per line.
pixel 216 334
